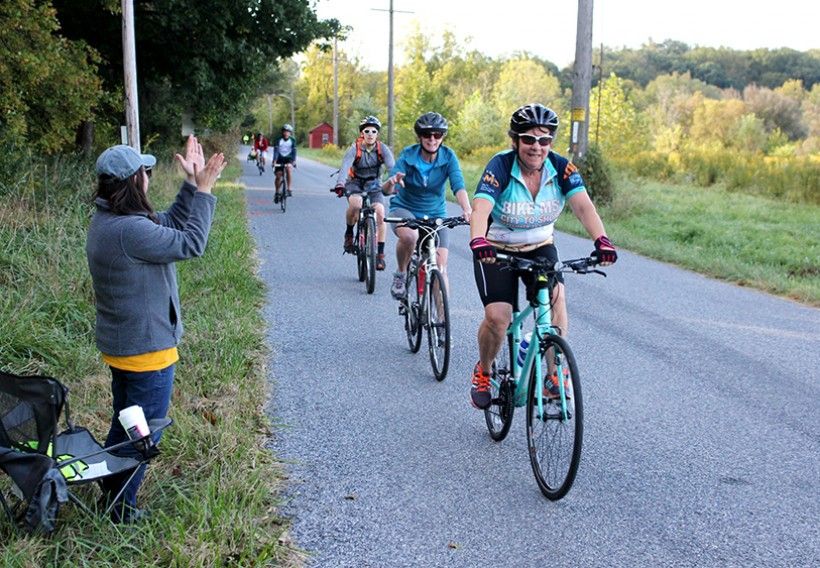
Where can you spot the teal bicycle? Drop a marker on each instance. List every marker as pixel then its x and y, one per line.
pixel 552 389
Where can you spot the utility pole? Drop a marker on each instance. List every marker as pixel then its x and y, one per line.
pixel 600 87
pixel 390 102
pixel 581 81
pixel 292 110
pixel 335 92
pixel 129 62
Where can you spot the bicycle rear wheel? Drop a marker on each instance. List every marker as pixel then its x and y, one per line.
pixel 370 253
pixel 438 325
pixel 412 313
pixel 499 415
pixel 555 436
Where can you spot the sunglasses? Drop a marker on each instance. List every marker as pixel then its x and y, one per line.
pixel 148 172
pixel 370 131
pixel 436 135
pixel 529 139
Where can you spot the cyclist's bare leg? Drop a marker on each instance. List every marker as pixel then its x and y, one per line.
pixel 278 182
pixel 559 310
pixel 354 205
pixel 493 331
pixel 405 246
pixel 381 226
pixel 289 168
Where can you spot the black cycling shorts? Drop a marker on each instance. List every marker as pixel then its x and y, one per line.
pixel 497 283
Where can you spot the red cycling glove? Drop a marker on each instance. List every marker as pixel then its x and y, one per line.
pixel 604 251
pixel 339 190
pixel 483 251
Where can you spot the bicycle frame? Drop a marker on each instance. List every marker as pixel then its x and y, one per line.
pixel 543 327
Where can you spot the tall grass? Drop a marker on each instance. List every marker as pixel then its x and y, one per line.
pixel 212 490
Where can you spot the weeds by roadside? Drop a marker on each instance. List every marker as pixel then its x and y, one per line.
pixel 212 490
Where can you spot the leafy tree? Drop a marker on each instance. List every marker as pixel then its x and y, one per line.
pixel 777 110
pixel 315 88
pixel 208 57
pixel 478 125
pixel 748 133
pixel 617 127
pixel 48 84
pixel 523 81
pixel 714 122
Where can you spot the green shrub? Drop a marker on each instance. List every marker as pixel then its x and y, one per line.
pixel 655 165
pixel 597 175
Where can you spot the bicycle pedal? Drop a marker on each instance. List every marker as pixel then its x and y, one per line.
pixel 402 310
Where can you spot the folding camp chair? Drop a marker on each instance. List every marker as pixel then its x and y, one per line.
pixel 45 465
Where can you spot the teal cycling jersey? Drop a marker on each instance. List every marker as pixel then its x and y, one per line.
pixel 518 218
pixel 423 191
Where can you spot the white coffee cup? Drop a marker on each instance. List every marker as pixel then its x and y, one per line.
pixel 134 423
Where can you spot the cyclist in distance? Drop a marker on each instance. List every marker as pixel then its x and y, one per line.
pixel 284 152
pixel 518 199
pixel 421 172
pixel 260 145
pixel 359 174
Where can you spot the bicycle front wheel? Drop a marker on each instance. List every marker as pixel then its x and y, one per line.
pixel 284 197
pixel 438 325
pixel 555 422
pixel 370 253
pixel 412 312
pixel 499 415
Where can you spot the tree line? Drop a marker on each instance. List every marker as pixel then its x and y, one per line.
pixel 61 71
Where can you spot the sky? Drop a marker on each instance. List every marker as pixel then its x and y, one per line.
pixel 546 28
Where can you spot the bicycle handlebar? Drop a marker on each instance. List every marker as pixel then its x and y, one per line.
pixel 585 265
pixel 435 223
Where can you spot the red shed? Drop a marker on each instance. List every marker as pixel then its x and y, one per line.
pixel 320 135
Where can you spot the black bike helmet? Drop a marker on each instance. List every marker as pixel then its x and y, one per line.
pixel 532 115
pixel 430 122
pixel 370 121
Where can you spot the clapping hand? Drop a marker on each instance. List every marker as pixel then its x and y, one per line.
pixel 207 176
pixel 193 160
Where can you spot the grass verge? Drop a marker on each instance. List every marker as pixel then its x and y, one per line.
pixel 750 240
pixel 212 490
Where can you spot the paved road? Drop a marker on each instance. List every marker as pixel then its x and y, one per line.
pixel 701 403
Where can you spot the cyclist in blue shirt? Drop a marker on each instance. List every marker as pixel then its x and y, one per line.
pixel 422 170
pixel 518 199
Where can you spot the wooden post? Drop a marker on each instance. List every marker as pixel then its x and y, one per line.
pixel 129 59
pixel 335 92
pixel 581 82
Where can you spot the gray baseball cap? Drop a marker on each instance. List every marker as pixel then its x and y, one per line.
pixel 121 162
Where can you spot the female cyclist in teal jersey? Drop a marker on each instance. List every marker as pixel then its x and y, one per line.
pixel 519 197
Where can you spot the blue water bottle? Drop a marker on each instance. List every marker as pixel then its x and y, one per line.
pixel 522 348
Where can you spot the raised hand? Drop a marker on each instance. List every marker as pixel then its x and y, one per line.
pixel 193 160
pixel 207 176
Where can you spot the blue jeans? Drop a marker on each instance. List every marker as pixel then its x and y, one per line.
pixel 152 391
